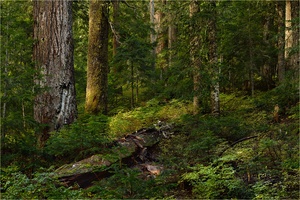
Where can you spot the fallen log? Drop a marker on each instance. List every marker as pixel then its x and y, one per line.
pixel 125 150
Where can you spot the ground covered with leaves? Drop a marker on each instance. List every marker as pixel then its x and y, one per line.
pixel 242 154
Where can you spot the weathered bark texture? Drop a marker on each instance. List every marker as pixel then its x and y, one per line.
pixel 53 56
pixel 213 60
pixel 195 58
pixel 130 150
pixel 97 61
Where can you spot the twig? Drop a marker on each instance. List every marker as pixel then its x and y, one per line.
pixel 238 141
pixel 117 36
pixel 128 5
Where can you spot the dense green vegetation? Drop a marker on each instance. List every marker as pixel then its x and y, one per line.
pixel 243 153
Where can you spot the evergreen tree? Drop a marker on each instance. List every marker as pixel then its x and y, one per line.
pixel 53 56
pixel 97 63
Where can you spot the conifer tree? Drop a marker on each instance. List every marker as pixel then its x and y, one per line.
pixel 97 64
pixel 53 56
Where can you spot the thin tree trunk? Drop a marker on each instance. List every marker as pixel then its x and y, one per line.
pixel 251 58
pixel 280 42
pixel 153 35
pixel 115 22
pixel 4 89
pixel 266 68
pixel 251 66
pixel 132 87
pixel 213 59
pixel 288 29
pixel 53 55
pixel 161 39
pixel 137 90
pixel 97 64
pixel 195 59
pixel 296 39
pixel 171 37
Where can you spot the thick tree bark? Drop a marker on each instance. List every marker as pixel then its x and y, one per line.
pixel 97 64
pixel 53 56
pixel 195 59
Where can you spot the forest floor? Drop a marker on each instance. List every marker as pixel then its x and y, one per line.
pixel 245 153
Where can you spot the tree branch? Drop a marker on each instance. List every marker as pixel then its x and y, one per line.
pixel 238 141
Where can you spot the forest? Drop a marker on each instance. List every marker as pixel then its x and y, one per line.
pixel 150 99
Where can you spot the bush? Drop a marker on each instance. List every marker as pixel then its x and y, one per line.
pixel 215 182
pixel 85 137
pixel 17 185
pixel 128 183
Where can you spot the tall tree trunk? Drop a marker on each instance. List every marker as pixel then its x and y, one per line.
pixel 288 30
pixel 266 70
pixel 171 37
pixel 97 61
pixel 251 58
pixel 162 41
pixel 171 40
pixel 153 35
pixel 116 43
pixel 132 85
pixel 280 42
pixel 195 58
pixel 213 60
pixel 53 55
pixel 295 35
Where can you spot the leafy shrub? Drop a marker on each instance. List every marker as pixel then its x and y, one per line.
pixel 283 186
pixel 42 186
pixel 128 183
pixel 85 137
pixel 215 182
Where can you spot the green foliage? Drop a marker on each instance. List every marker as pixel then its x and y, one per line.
pixel 80 37
pixel 215 182
pixel 18 142
pixel 16 185
pixel 128 183
pixel 266 167
pixel 87 136
pixel 131 67
pixel 154 110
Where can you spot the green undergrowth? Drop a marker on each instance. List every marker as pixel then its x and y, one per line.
pixel 148 115
pixel 241 154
